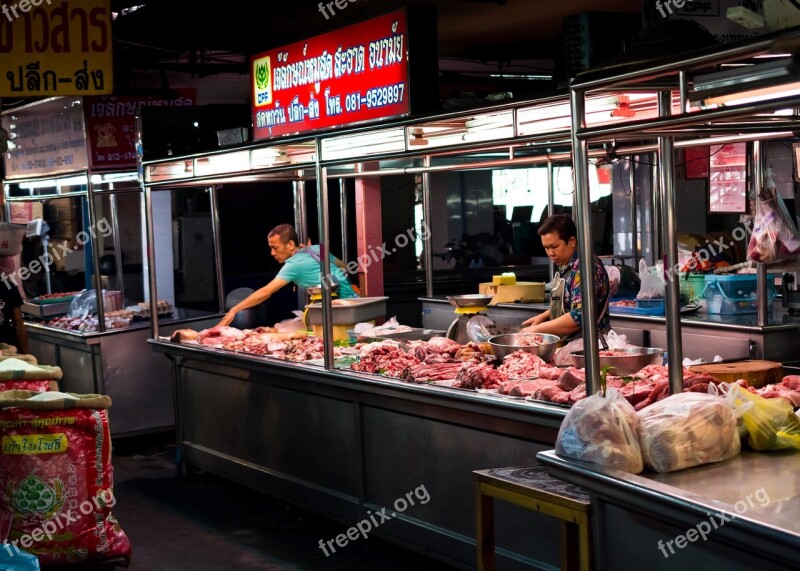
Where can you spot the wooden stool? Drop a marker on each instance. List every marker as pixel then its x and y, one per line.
pixel 531 487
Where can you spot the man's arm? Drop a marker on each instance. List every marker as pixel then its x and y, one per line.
pixel 258 296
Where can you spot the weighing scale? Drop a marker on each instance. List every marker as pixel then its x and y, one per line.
pixel 471 323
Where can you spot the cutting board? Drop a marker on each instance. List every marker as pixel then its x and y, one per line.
pixel 527 292
pixel 756 373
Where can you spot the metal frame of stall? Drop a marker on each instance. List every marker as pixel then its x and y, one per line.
pixel 509 135
pixel 687 122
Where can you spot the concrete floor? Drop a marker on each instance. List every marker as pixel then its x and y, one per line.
pixel 202 522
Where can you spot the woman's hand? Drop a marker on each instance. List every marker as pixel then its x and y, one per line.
pixel 535 320
pixel 529 329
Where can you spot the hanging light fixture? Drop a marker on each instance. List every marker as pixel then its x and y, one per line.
pixel 748 83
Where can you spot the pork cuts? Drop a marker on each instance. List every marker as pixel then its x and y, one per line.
pixel 218 335
pixel 479 376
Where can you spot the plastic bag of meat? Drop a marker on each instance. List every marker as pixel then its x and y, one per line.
pixel 770 423
pixel 602 429
pixel 687 429
pixel 56 479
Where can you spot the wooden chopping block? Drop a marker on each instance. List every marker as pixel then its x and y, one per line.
pixel 756 373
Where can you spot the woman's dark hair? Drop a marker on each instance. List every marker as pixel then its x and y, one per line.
pixel 560 223
pixel 286 233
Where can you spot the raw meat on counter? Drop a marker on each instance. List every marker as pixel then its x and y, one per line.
pixel 385 358
pixel 521 374
pixel 218 335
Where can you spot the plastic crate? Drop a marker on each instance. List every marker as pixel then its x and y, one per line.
pixel 643 307
pixel 737 293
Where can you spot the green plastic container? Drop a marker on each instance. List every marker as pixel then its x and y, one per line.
pixel 693 285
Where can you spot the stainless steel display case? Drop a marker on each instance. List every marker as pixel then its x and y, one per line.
pixel 344 444
pixel 748 508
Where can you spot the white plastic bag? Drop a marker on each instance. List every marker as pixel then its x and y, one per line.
pixel 652 278
pixel 292 324
pixel 603 430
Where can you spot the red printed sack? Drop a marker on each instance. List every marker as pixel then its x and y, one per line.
pixel 56 479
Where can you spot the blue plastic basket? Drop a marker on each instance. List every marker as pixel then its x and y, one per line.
pixel 655 304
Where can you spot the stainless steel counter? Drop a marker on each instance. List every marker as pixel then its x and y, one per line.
pixel 342 443
pixel 704 335
pixel 117 363
pixel 747 508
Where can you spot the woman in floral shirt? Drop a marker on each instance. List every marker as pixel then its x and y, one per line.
pixel 565 316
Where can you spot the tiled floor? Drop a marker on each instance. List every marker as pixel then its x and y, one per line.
pixel 203 522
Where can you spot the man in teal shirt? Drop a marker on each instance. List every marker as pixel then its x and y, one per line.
pixel 301 266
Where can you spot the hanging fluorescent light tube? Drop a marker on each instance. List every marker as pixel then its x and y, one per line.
pixel 748 84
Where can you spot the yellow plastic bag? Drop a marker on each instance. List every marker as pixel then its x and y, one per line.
pixel 770 423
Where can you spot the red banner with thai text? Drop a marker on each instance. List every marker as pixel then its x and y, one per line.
pixel 111 125
pixel 355 74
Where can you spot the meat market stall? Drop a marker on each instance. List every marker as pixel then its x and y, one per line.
pixel 84 236
pixel 739 512
pixel 304 420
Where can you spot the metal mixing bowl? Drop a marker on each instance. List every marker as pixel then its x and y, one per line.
pixel 637 358
pixel 503 345
pixel 470 300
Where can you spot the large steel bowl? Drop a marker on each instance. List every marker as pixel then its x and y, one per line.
pixel 637 358
pixel 470 300
pixel 544 346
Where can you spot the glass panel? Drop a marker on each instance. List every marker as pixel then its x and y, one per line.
pixel 121 252
pixel 183 242
pixel 55 262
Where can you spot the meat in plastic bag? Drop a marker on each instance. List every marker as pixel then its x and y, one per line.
pixel 602 429
pixel 687 429
pixel 770 424
pixel 775 235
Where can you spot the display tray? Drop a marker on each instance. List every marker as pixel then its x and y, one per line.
pixel 416 334
pixel 44 310
pixel 52 300
pixel 356 310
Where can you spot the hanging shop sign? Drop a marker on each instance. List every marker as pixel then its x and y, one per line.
pixel 55 48
pixel 355 74
pixel 111 124
pixel 46 137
